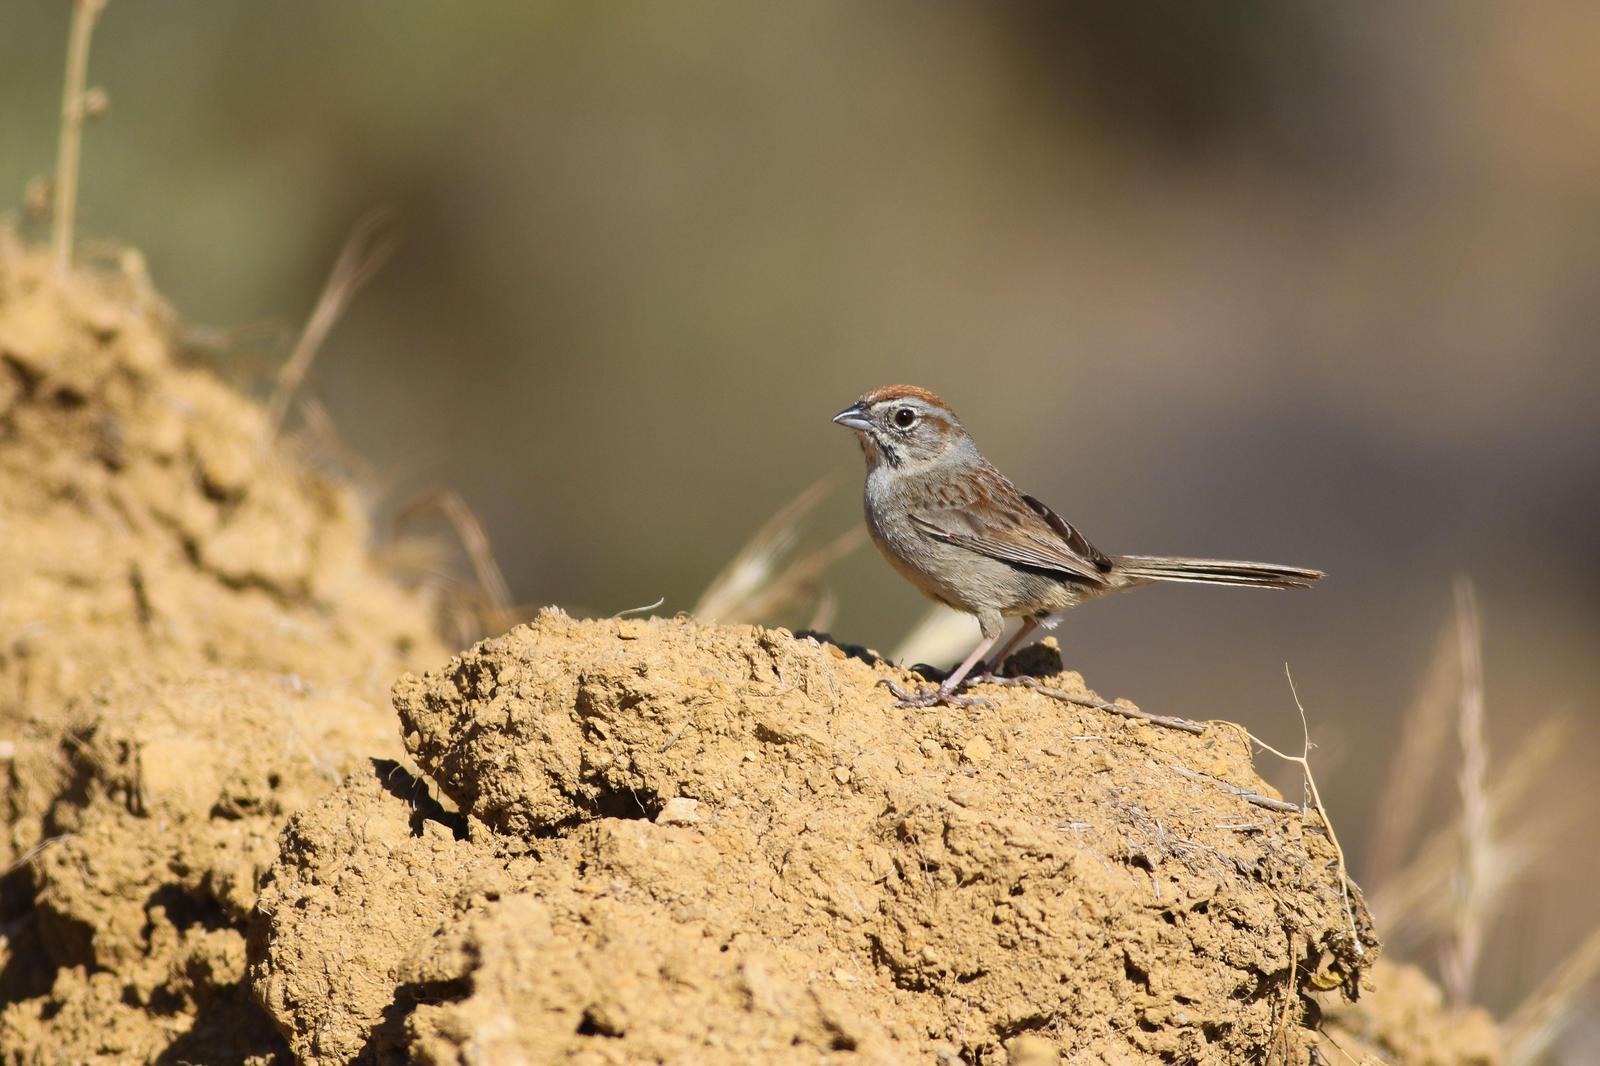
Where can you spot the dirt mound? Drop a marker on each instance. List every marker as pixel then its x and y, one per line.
pixel 179 788
pixel 157 539
pixel 723 840
pixel 149 521
pixel 652 840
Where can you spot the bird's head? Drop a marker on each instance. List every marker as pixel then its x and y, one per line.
pixel 903 426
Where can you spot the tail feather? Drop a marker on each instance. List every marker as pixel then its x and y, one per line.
pixel 1217 572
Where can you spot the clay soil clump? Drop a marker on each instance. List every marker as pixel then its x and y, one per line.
pixel 194 643
pixel 149 520
pixel 683 842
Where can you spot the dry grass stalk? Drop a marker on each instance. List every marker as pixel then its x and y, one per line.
pixel 826 610
pixel 1535 1024
pixel 1417 900
pixel 752 587
pixel 1460 963
pixel 1259 799
pixel 1414 765
pixel 321 442
pixel 73 111
pixel 365 251
pixel 31 854
pixel 940 635
pixel 492 604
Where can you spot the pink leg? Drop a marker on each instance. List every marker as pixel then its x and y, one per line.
pixel 945 693
pixel 953 682
pixel 1022 634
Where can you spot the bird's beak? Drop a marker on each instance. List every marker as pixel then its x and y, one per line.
pixel 854 417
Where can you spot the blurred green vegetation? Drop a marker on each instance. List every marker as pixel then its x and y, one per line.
pixel 1303 282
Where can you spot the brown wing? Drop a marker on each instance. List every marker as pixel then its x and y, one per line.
pixel 1069 533
pixel 990 517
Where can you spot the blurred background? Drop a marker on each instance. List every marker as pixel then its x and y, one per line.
pixel 1310 283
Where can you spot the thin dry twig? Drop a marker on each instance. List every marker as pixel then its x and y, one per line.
pixel 491 583
pixel 1126 710
pixel 1535 1024
pixel 32 853
pixel 639 610
pixel 73 110
pixel 1282 1033
pixel 1271 803
pixel 368 247
pixel 1304 761
pixel 800 579
pixel 687 722
pixel 752 566
pixel 1460 962
pixel 823 614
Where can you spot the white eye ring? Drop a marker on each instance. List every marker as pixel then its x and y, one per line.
pixel 905 418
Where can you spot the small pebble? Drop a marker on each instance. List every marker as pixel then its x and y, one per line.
pixel 679 810
pixel 1029 1049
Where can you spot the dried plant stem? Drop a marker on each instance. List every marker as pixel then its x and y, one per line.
pixel 1304 762
pixel 1281 1036
pixel 1409 900
pixel 32 853
pixel 1536 1022
pixel 752 589
pixel 1460 963
pixel 645 608
pixel 1126 710
pixel 492 587
pixel 1271 803
pixel 364 253
pixel 1414 763
pixel 751 567
pixel 799 579
pixel 69 149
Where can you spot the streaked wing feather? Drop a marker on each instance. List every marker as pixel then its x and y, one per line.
pixel 1077 542
pixel 1032 542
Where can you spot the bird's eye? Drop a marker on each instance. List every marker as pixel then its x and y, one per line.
pixel 905 418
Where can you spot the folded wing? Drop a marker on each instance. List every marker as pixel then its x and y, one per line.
pixel 1020 531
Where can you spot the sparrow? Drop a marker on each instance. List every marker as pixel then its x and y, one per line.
pixel 962 533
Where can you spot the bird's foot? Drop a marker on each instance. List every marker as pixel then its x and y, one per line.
pixel 937 696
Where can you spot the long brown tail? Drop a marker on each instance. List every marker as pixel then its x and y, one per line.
pixel 1216 572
